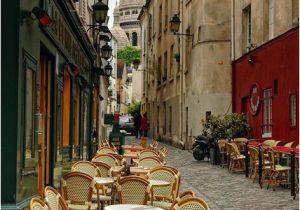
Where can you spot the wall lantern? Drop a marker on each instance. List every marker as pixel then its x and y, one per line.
pixel 175 24
pixel 37 13
pixel 108 69
pixel 100 98
pixel 100 11
pixel 136 64
pixel 106 51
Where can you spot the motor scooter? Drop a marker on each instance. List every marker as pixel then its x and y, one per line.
pixel 200 147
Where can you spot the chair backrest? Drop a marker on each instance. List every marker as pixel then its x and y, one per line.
pixel 222 145
pixel 183 195
pixel 105 150
pixel 54 199
pixel 193 203
pixel 253 153
pixel 289 144
pixel 270 142
pixel 77 188
pixel 149 162
pixel 168 175
pixel 104 143
pixel 235 149
pixel 104 169
pixel 38 204
pixel 272 162
pixel 175 170
pixel 147 153
pixel 106 158
pixel 86 167
pixel 133 190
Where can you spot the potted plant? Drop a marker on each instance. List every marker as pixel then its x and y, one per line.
pixel 228 127
pixel 177 57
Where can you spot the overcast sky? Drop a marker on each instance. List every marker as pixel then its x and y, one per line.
pixel 111 5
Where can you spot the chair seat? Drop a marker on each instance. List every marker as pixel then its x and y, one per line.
pixel 266 162
pixel 161 204
pixel 102 197
pixel 82 207
pixel 239 157
pixel 117 169
pixel 282 168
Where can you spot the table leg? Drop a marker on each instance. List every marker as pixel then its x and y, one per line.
pixel 293 174
pixel 259 165
pixel 246 160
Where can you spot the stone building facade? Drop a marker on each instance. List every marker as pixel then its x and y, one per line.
pixel 178 95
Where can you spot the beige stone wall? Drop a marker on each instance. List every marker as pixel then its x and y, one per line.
pixel 285 17
pixel 201 81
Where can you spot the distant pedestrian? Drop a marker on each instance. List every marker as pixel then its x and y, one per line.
pixel 144 125
pixel 137 123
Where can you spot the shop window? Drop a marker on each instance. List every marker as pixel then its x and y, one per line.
pixel 267 113
pixel 29 112
pixel 293 110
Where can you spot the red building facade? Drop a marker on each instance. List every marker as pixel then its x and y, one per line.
pixel 265 86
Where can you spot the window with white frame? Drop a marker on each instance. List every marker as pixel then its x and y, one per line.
pixel 267 113
pixel 293 110
pixel 247 39
pixel 271 19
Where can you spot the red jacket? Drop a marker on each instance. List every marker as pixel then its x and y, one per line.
pixel 144 124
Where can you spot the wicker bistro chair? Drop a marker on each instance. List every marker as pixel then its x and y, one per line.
pixel 240 142
pixel 279 173
pixel 86 167
pixel 236 159
pixel 106 158
pixel 104 169
pixel 105 150
pixel 164 196
pixel 54 199
pixel 38 204
pixel 183 195
pixel 133 190
pixel 119 170
pixel 193 203
pixel 271 142
pixel 175 170
pixel 147 153
pixel 223 152
pixel 77 190
pixel 149 162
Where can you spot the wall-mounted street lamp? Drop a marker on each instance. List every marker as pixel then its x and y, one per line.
pixel 175 24
pixel 100 12
pixel 39 14
pixel 103 72
pixel 136 64
pixel 106 51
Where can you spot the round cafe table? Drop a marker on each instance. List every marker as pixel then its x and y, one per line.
pixel 131 207
pixel 154 182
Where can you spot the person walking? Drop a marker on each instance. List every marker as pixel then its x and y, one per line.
pixel 137 124
pixel 144 125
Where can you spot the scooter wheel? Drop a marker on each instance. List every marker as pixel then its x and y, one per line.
pixel 198 153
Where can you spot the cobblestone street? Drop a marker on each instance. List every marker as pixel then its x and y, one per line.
pixel 223 190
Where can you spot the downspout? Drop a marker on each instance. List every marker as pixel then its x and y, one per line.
pixel 233 54
pixel 181 75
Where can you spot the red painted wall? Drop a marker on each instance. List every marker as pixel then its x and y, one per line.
pixel 275 60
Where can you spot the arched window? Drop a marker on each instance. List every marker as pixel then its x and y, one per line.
pixel 127 34
pixel 134 39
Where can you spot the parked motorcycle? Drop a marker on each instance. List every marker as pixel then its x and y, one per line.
pixel 200 147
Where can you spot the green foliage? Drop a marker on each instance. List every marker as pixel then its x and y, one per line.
pixel 228 127
pixel 134 107
pixel 129 54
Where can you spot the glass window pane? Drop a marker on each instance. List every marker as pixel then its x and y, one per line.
pixel 29 132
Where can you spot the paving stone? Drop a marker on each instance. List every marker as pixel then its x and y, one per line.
pixel 223 190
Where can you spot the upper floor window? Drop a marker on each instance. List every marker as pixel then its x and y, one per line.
pixel 267 113
pixel 247 39
pixel 121 13
pixel 160 20
pixel 127 34
pixel 134 39
pixel 293 110
pixel 127 13
pixel 134 12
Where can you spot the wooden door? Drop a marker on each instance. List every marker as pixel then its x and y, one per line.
pixel 44 92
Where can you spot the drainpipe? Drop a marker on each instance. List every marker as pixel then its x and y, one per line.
pixel 232 55
pixel 181 74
